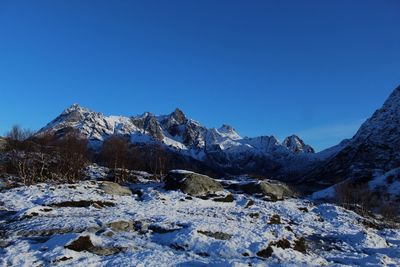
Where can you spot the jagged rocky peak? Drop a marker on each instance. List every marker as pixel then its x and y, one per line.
pixel 178 116
pixel 226 128
pixel 229 131
pixel 296 145
pixel 75 108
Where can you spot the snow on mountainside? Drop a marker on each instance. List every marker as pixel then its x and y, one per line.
pixel 222 146
pixel 295 144
pixel 174 130
pixel 375 147
pixel 386 184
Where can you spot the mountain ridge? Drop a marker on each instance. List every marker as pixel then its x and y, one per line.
pixel 374 149
pixel 222 147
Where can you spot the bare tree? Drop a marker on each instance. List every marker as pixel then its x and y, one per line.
pixel 72 157
pixel 115 154
pixel 19 134
pixel 17 138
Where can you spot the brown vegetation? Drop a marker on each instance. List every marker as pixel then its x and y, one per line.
pixel 38 159
pixel 357 196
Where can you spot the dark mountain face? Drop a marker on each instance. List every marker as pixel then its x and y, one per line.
pixel 375 147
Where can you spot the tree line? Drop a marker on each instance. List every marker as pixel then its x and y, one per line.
pixel 63 158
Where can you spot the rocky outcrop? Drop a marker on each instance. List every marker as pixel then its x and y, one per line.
pixel 121 226
pixel 296 145
pixel 273 189
pixel 115 189
pixel 191 183
pixel 84 243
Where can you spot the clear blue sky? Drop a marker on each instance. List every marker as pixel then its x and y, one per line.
pixel 316 68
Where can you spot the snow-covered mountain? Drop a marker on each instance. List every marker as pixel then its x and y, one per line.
pixel 375 148
pixel 222 147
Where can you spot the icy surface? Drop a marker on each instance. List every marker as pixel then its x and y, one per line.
pixel 334 236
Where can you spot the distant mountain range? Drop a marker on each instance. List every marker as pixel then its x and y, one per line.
pixel 375 147
pixel 221 148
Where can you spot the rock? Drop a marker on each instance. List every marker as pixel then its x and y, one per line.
pixel 273 189
pixel 162 230
pixel 216 235
pixel 4 243
pixel 275 219
pixel 83 204
pixel 84 243
pixel 109 233
pixel 104 251
pixel 141 227
pixel 227 198
pixel 191 183
pixel 115 189
pixel 265 253
pixel 300 245
pixel 121 226
pixel 283 244
pixel 249 204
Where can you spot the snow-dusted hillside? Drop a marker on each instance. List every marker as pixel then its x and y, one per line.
pixel 220 147
pixel 82 225
pixel 374 148
pixel 386 185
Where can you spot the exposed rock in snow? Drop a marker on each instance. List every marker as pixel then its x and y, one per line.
pixel 295 144
pixel 191 183
pixel 273 189
pixel 115 189
pixel 168 228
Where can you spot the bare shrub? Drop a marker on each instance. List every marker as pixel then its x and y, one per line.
pixel 30 167
pixel 50 159
pixel 18 139
pixel 115 154
pixel 389 211
pixel 355 196
pixel 72 156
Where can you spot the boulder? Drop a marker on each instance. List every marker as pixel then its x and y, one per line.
pixel 115 189
pixel 269 188
pixel 215 235
pixel 84 243
pixel 191 183
pixel 121 226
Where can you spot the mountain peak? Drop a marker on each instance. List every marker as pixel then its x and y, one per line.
pixel 295 144
pixel 393 101
pixel 75 108
pixel 178 116
pixel 384 124
pixel 229 131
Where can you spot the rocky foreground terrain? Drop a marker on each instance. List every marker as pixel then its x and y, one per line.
pixel 60 207
pixel 188 220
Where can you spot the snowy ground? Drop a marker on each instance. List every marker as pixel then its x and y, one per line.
pixel 172 229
